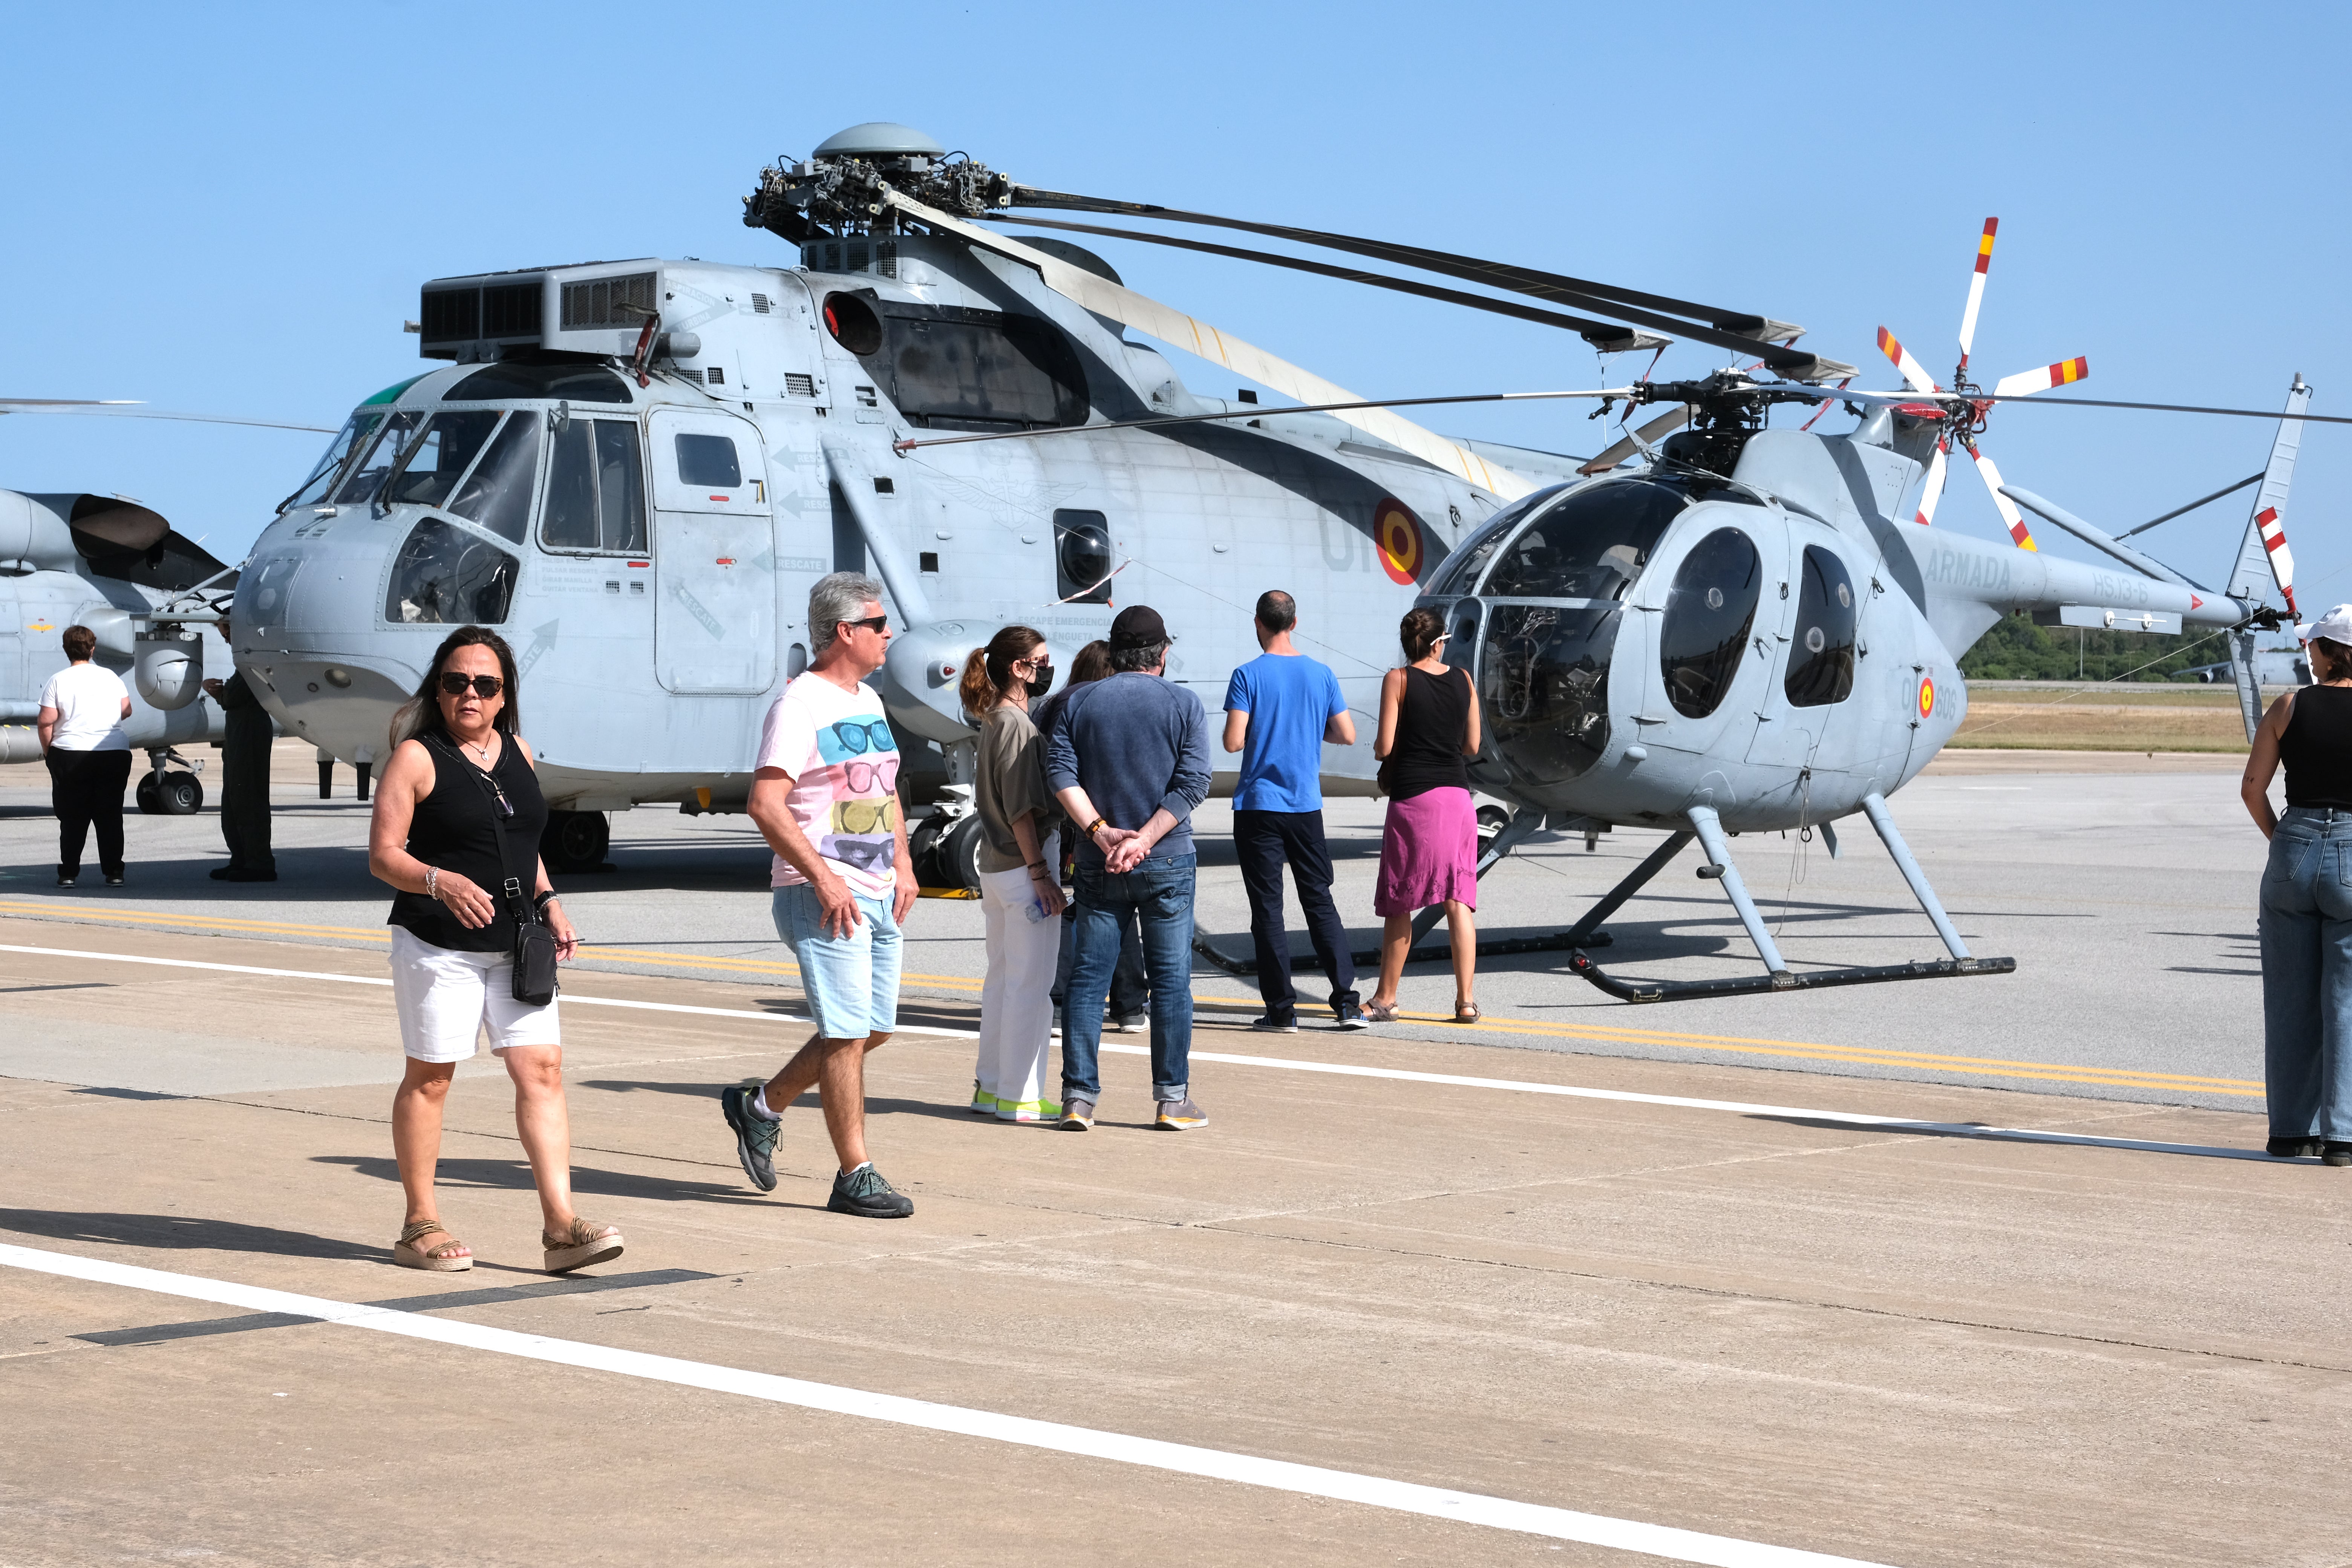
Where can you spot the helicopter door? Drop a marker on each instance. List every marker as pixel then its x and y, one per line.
pixel 1815 636
pixel 1703 607
pixel 714 555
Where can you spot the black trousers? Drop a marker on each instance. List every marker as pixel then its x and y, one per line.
pixel 244 791
pixel 86 790
pixel 1263 841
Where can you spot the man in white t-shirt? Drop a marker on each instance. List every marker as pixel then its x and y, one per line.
pixel 80 722
pixel 827 799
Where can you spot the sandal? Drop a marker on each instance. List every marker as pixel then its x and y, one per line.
pixel 434 1259
pixel 1467 1013
pixel 1379 1012
pixel 580 1246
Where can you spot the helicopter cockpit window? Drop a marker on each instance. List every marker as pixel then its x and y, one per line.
pixel 438 458
pixel 707 461
pixel 1820 658
pixel 497 494
pixel 1082 557
pixel 568 381
pixel 595 489
pixel 353 436
pixel 1708 611
pixel 1460 569
pixel 448 576
pixel 1591 543
pixel 391 445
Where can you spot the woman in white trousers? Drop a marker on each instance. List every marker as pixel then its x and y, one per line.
pixel 1020 884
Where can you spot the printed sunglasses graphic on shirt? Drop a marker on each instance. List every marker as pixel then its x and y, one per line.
pixel 859 854
pixel 854 737
pixel 863 817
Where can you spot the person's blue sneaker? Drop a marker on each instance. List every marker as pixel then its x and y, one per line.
pixel 863 1192
pixel 755 1136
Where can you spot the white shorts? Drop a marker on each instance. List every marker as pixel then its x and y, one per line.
pixel 447 998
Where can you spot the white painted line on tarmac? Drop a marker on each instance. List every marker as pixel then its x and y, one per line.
pixel 1085 1442
pixel 1343 1069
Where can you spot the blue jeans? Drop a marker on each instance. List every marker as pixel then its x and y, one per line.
pixel 2307 932
pixel 851 982
pixel 1158 893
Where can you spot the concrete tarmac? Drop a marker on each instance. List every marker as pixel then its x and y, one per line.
pixel 1691 1294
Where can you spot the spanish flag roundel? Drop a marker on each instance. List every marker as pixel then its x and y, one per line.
pixel 1927 695
pixel 1396 535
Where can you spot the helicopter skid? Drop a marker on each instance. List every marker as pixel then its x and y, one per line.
pixel 1786 979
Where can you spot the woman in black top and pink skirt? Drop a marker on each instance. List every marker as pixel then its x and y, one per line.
pixel 1429 846
pixel 2306 902
pixel 459 810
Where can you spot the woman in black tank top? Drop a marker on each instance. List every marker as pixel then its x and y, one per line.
pixel 459 812
pixel 1429 844
pixel 2306 902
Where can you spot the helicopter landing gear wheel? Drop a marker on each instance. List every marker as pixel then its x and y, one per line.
pixel 169 794
pixel 945 851
pixel 575 841
pixel 1492 820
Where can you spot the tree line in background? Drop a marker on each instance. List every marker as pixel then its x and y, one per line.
pixel 2017 649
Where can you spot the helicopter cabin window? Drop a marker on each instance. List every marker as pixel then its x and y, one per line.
pixel 1821 656
pixel 367 475
pixel 707 462
pixel 1460 570
pixel 497 494
pixel 1709 612
pixel 595 489
pixel 951 368
pixel 1591 543
pixel 447 575
pixel 1082 557
pixel 439 457
pixel 561 379
pixel 353 436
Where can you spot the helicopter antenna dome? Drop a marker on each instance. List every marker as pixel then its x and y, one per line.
pixel 879 139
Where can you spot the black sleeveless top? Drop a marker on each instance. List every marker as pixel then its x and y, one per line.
pixel 452 830
pixel 2318 747
pixel 1433 721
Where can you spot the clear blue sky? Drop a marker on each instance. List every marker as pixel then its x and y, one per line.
pixel 230 208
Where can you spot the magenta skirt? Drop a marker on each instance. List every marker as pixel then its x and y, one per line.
pixel 1429 852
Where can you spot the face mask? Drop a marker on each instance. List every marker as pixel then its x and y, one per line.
pixel 1041 681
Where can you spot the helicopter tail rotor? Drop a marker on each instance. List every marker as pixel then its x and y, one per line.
pixel 1913 372
pixel 2027 383
pixel 1976 288
pixel 1933 491
pixel 2006 507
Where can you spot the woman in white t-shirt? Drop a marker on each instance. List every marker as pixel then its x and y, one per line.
pixel 80 721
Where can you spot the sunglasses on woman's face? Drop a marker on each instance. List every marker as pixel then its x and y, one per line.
pixel 455 684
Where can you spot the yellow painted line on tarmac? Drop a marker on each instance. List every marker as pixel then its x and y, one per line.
pixel 1604 1034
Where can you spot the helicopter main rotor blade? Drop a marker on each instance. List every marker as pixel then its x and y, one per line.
pixel 2026 382
pixel 1625 445
pixel 125 409
pixel 1976 288
pixel 1740 330
pixel 1913 372
pixel 1104 298
pixel 1608 337
pixel 1254 413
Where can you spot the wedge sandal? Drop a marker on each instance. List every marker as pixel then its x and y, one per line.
pixel 432 1260
pixel 581 1245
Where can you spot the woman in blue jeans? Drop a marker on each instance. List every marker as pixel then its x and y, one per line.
pixel 2306 902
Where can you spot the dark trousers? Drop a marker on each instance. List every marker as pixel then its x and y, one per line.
pixel 1263 841
pixel 245 791
pixel 86 790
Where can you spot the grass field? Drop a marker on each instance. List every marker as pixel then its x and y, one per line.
pixel 2059 716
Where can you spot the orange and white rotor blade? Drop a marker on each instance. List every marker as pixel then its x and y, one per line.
pixel 1932 490
pixel 2028 381
pixel 1919 379
pixel 1976 289
pixel 2001 503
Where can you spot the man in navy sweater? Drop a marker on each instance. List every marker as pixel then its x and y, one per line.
pixel 1128 759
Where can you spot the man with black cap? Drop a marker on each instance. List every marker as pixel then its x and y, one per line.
pixel 1128 759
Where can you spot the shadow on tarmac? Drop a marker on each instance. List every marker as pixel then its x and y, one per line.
pixel 1976 1132
pixel 514 1175
pixel 183 1233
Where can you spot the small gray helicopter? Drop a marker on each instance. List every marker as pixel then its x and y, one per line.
pixel 639 469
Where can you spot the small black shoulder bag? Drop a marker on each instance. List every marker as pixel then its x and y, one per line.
pixel 534 945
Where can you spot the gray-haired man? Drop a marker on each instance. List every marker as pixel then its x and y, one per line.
pixel 825 797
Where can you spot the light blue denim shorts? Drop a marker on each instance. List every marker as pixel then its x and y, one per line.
pixel 852 982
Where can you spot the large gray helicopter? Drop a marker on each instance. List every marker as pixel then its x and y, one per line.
pixel 638 468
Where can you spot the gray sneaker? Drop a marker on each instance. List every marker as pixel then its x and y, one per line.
pixel 1180 1115
pixel 864 1192
pixel 1276 1024
pixel 1077 1114
pixel 755 1136
pixel 1130 1023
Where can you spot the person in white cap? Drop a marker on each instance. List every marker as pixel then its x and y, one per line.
pixel 2306 900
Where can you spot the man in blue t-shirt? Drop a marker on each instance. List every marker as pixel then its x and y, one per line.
pixel 1280 709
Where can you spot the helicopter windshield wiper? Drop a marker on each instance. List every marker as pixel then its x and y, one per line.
pixel 1608 337
pixel 1742 332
